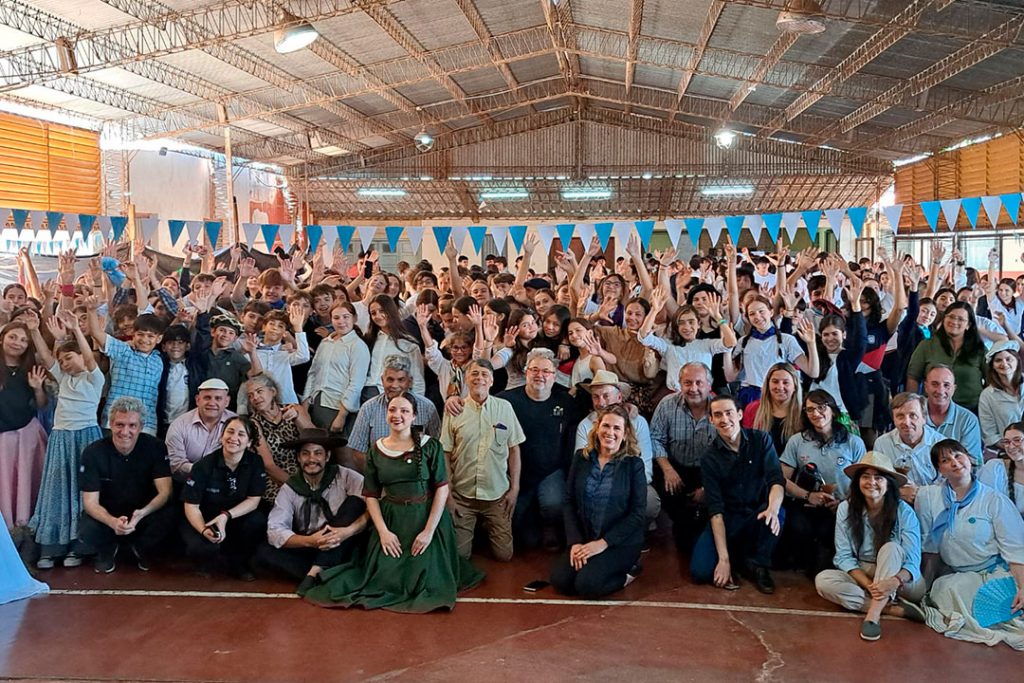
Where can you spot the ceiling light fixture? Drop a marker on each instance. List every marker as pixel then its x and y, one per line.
pixel 647 175
pixel 801 16
pixel 727 190
pixel 504 194
pixel 725 138
pixel 380 192
pixel 424 141
pixel 580 195
pixel 292 33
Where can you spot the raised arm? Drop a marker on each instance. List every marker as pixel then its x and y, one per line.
pixel 658 298
pixel 576 284
pixel 633 249
pixel 452 254
pixel 731 288
pixel 95 326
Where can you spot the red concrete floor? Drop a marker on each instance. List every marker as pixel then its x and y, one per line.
pixel 674 631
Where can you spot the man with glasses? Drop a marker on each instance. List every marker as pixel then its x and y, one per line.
pixel 548 417
pixel 950 419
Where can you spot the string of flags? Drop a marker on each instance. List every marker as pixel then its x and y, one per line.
pixel 328 236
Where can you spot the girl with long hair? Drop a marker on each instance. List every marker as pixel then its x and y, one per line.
pixel 779 409
pixel 1006 473
pixel 386 336
pixel 520 332
pixel 1001 402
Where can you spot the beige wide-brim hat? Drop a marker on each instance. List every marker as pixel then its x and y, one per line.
pixel 603 378
pixel 877 461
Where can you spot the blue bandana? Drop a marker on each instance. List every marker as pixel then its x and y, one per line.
pixel 945 520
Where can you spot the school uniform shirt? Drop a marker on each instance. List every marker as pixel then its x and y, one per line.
pixel 133 374
pixel 674 356
pixel 997 410
pixel 214 487
pixel 984 531
pixel 995 473
pixel 176 393
pixel 1014 313
pixel 962 425
pixel 78 397
pixel 287 517
pixel 830 459
pixel 830 384
pixel 124 482
pixel 760 354
pixel 478 440
pixel 643 438
pixel 918 458
pixel 386 346
pixel 277 363
pixel 906 532
pixel 338 372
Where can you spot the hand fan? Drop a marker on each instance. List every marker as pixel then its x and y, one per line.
pixel 993 600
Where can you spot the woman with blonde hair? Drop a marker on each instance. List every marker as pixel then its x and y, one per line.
pixel 604 520
pixel 779 411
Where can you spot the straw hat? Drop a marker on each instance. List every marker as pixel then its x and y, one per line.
pixel 603 378
pixel 875 460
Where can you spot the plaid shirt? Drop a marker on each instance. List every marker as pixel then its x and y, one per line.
pixel 372 421
pixel 133 374
pixel 676 435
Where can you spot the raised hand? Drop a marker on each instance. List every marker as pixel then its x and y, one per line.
pixel 58 330
pixel 805 330
pixel 475 315
pixel 248 343
pixel 658 298
pixel 247 269
pixel 422 315
pixel 715 306
pixel 36 377
pixel 490 327
pixel 530 245
pixel 595 246
pixel 730 253
pixel 297 316
pixel 511 334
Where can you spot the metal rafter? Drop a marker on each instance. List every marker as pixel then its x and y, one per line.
pixel 901 25
pixel 636 19
pixel 475 20
pixel 774 54
pixel 944 69
pixel 706 29
pixel 559 24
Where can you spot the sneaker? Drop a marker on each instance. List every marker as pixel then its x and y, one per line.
pixel 72 560
pixel 763 580
pixel 633 574
pixel 870 630
pixel 44 563
pixel 140 559
pixel 911 612
pixel 105 564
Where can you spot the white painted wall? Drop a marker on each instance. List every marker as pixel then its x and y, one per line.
pixel 175 186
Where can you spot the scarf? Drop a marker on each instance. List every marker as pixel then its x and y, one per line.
pixel 926 331
pixel 945 520
pixel 761 336
pixel 299 484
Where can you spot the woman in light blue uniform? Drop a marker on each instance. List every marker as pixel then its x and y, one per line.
pixel 819 452
pixel 1006 473
pixel 977 533
pixel 878 548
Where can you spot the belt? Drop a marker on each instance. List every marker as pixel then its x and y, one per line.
pixel 407 500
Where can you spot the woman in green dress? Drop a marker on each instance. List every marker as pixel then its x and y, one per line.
pixel 412 562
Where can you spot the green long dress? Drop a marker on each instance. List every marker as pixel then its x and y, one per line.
pixel 418 584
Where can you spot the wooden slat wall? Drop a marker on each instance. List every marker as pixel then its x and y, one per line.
pixel 47 166
pixel 991 168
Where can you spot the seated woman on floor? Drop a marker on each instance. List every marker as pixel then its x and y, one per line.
pixel 412 562
pixel 878 548
pixel 605 517
pixel 979 535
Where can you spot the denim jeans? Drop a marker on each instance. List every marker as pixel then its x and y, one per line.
pixel 540 507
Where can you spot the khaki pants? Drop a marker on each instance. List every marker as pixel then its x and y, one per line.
pixel 495 518
pixel 839 587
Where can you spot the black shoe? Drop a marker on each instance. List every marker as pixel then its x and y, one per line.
pixel 245 575
pixel 763 580
pixel 106 563
pixel 140 559
pixel 308 583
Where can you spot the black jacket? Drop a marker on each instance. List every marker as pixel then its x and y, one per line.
pixel 624 518
pixel 197 363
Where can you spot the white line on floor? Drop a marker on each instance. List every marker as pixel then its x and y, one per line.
pixel 655 604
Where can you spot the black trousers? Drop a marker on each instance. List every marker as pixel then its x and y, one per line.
pixel 243 536
pixel 602 574
pixel 808 539
pixel 151 533
pixel 749 540
pixel 688 518
pixel 295 563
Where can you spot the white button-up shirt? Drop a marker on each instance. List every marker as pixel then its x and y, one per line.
pixel 338 371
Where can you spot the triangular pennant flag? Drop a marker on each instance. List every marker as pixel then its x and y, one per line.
pixel 772 223
pixel 972 207
pixel 857 214
pixel 604 233
pixel 36 219
pixel 118 224
pixel 313 235
pixel 148 227
pixel 20 216
pixel 992 206
pixel 415 235
pixel 176 227
pixel 345 233
pixel 951 210
pixel 5 213
pixel 71 222
pixel 694 227
pixel 714 227
pixel 644 229
pixel 366 233
pixel 194 229
pixel 212 229
pixel 835 220
pixel 250 230
pixel 547 235
pixel 734 224
pixel 565 231
pixel 1012 203
pixel 85 222
pixel 812 219
pixel 791 220
pixel 104 226
pixel 499 233
pixel 623 229
pixel 674 228
pixel 931 214
pixel 893 214
pixel 518 235
pixel 755 224
pixel 286 231
pixel 330 235
pixel 269 231
pixel 459 233
pixel 477 234
pixel 393 234
pixel 441 235
pixel 586 232
pixel 53 219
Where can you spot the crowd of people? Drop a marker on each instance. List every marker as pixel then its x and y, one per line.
pixel 366 432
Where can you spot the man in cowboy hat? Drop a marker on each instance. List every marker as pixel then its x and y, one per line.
pixel 606 391
pixel 318 514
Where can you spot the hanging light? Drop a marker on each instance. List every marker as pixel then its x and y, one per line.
pixel 292 33
pixel 424 141
pixel 725 138
pixel 801 16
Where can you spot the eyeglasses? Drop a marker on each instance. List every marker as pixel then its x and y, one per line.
pixel 540 371
pixel 957 319
pixel 819 410
pixel 1016 441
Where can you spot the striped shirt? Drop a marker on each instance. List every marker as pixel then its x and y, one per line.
pixel 676 435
